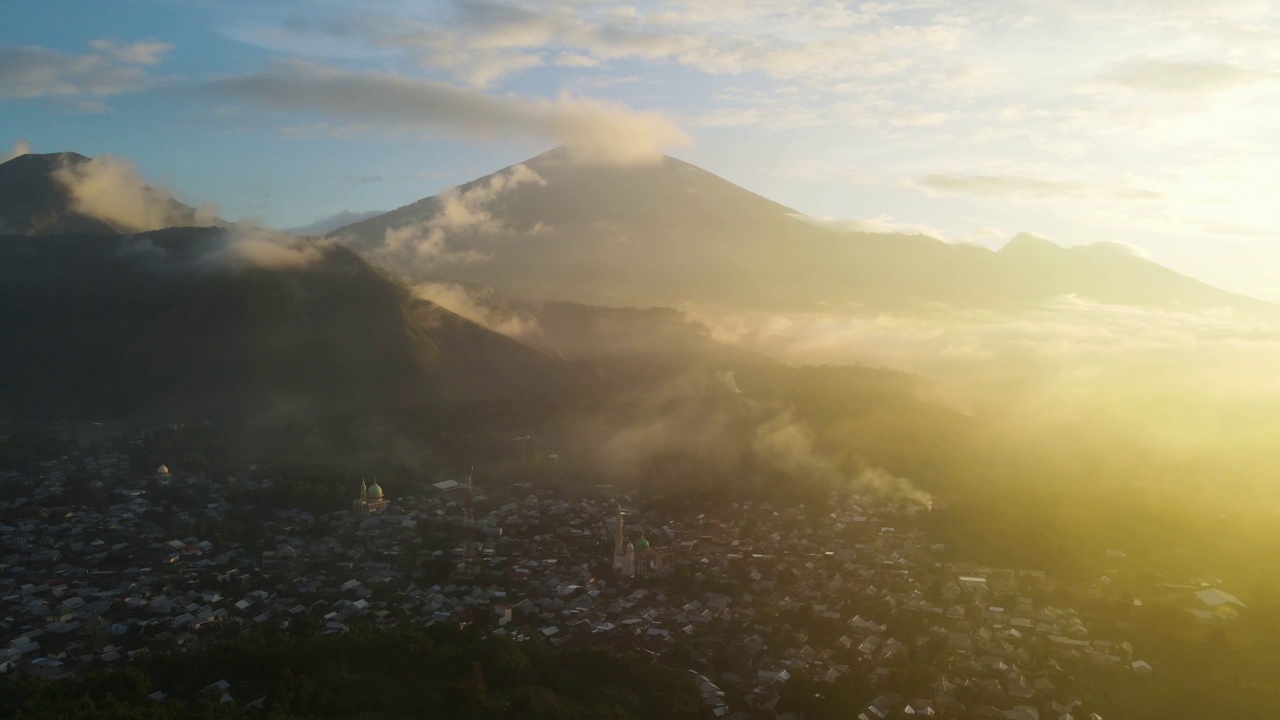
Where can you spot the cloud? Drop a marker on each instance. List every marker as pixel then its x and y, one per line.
pixel 111 190
pixel 231 248
pixel 482 42
pixel 1021 187
pixel 430 242
pixel 478 306
pixel 886 225
pixel 138 53
pixel 244 246
pixel 593 130
pixel 879 225
pixel 1123 248
pixel 1046 349
pixel 1181 77
pixel 20 148
pixel 28 72
pixel 573 60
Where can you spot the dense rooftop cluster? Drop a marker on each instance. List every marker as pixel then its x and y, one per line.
pixel 749 599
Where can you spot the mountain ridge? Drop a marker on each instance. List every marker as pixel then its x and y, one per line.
pixel 672 234
pixel 159 325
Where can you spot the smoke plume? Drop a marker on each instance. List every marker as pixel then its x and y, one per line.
pixel 20 148
pixel 786 445
pixel 702 423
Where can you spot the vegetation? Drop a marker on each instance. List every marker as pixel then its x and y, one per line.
pixel 435 672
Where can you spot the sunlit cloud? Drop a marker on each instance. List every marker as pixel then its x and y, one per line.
pixel 1013 187
pixel 879 225
pixel 111 190
pixel 593 130
pixel 1174 76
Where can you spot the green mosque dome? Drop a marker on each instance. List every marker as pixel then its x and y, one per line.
pixel 641 545
pixel 375 490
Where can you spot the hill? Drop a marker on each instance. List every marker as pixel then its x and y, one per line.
pixel 48 194
pixel 602 335
pixel 207 322
pixel 672 234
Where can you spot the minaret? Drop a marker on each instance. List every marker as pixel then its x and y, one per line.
pixel 360 506
pixel 469 516
pixel 618 537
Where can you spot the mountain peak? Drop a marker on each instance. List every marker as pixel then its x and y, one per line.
pixel 55 193
pixel 43 162
pixel 1030 242
pixel 670 233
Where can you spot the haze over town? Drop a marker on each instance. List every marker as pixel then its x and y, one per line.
pixel 688 359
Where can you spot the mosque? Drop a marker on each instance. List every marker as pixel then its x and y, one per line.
pixel 632 558
pixel 371 500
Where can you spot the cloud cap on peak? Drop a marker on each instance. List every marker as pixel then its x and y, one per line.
pixel 592 130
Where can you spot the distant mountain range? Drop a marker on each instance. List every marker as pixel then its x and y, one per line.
pixel 547 264
pixel 672 234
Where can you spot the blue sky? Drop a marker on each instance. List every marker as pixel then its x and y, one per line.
pixel 1146 122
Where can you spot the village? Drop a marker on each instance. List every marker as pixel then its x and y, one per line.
pixel 750 599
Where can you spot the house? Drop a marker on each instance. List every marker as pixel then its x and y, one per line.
pixel 1221 604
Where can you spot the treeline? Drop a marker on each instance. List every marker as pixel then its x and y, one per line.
pixel 411 672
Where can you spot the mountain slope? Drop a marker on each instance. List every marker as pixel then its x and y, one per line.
pixel 594 334
pixel 673 234
pixel 178 323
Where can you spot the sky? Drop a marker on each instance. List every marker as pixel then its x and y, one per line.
pixel 1147 122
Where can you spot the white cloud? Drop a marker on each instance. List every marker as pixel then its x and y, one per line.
pixel 473 305
pixel 1019 187
pixel 111 190
pixel 593 130
pixel 879 225
pixel 1070 345
pixel 1123 247
pixel 481 43
pixel 427 243
pixel 232 248
pixel 568 59
pixel 28 72
pixel 245 246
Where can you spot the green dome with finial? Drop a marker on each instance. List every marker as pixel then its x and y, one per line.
pixel 641 545
pixel 375 490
